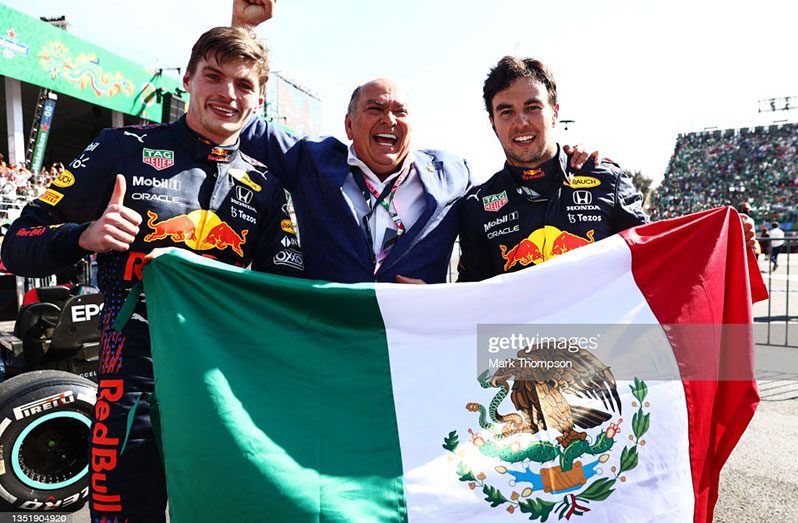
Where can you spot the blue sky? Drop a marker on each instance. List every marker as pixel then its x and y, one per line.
pixel 632 73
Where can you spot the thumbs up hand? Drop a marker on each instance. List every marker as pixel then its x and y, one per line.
pixel 117 227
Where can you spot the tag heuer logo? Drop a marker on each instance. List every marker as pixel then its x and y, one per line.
pixel 158 158
pixel 494 202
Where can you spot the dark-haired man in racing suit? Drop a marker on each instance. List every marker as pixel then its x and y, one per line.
pixel 537 207
pixel 182 185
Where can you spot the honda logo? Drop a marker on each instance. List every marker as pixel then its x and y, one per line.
pixel 243 194
pixel 583 197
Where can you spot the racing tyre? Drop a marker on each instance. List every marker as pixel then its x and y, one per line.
pixel 45 421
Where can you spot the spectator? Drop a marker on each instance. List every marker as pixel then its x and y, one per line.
pixel 776 243
pixel 709 169
pixel 763 240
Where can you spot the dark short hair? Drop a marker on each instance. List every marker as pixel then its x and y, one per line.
pixel 353 100
pixel 228 44
pixel 510 69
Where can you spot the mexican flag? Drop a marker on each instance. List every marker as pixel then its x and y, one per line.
pixel 608 384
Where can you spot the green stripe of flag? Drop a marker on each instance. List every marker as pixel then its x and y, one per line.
pixel 325 369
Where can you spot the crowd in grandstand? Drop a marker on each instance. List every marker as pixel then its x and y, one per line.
pixel 709 169
pixel 19 185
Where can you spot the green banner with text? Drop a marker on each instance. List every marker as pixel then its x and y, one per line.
pixel 36 52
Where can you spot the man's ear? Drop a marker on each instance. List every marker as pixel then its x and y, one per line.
pixel 556 114
pixel 492 126
pixel 348 126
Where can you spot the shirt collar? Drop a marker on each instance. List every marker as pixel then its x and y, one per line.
pixel 354 161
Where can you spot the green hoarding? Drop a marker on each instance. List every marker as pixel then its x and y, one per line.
pixel 43 135
pixel 36 52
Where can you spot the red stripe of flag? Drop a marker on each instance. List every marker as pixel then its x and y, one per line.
pixel 715 283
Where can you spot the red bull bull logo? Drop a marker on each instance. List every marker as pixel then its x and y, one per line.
pixel 525 253
pixel 532 174
pixel 541 245
pixel 180 228
pixel 223 236
pixel 200 230
pixel 566 241
pixel 219 154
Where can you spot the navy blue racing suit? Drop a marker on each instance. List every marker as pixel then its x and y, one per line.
pixel 522 217
pixel 211 200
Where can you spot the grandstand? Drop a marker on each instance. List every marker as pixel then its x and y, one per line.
pixel 18 186
pixel 726 167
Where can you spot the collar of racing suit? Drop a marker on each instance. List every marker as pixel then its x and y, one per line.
pixel 542 180
pixel 201 148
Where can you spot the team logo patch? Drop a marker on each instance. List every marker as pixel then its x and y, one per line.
pixel 158 158
pixel 583 197
pixel 219 154
pixel 494 202
pixel 200 229
pixel 244 178
pixel 290 258
pixel 51 197
pixel 287 226
pixel 65 179
pixel 289 242
pixel 532 174
pixel 582 182
pixel 541 245
pixel 244 195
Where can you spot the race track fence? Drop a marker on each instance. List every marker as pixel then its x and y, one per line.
pixel 779 326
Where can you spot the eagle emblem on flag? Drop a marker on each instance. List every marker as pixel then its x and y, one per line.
pixel 553 391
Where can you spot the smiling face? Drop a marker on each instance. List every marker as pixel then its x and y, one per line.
pixel 524 121
pixel 223 96
pixel 379 126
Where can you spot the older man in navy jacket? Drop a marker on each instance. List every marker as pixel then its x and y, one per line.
pixel 374 210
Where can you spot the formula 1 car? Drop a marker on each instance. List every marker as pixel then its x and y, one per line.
pixel 46 400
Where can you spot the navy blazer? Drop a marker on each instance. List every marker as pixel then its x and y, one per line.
pixel 333 242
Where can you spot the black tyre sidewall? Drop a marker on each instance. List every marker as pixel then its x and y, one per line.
pixel 24 390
